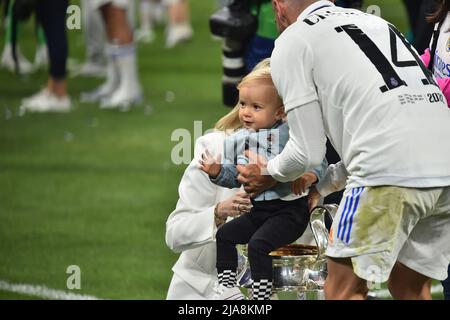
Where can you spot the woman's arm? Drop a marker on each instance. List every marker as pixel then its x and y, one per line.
pixel 191 224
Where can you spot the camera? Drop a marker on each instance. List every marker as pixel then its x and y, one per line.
pixel 234 21
pixel 236 25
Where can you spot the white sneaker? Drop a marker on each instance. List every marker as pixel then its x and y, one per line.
pixel 104 90
pixel 41 57
pixel 90 69
pixel 7 61
pixel 122 99
pixel 224 293
pixel 145 35
pixel 96 95
pixel 177 34
pixel 45 101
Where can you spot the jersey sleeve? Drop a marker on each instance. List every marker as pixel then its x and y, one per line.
pixel 292 71
pixel 305 148
pixel 334 180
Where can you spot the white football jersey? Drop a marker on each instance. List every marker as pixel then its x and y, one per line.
pixel 381 108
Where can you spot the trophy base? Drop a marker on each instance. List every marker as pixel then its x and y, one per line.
pixel 311 295
pixel 292 294
pixel 299 294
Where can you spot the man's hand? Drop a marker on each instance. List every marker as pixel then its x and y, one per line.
pixel 254 175
pixel 210 165
pixel 313 198
pixel 302 184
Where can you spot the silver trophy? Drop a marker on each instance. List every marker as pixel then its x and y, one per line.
pixel 299 270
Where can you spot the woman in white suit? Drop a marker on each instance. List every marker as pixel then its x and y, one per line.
pixel 201 208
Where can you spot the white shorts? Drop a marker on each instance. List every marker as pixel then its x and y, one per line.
pixel 377 226
pixel 97 4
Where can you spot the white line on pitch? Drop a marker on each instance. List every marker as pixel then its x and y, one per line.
pixel 43 292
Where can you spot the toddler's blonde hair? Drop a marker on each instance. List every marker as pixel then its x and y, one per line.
pixel 230 121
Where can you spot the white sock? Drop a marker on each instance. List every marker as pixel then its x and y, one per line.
pixel 125 59
pixel 112 70
pixel 146 15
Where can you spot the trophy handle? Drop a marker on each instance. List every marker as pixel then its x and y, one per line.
pixel 319 229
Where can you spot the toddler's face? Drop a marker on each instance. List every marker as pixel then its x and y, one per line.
pixel 260 106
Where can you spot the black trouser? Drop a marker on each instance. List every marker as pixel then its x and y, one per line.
pixel 446 285
pixel 52 16
pixel 268 226
pixel 418 10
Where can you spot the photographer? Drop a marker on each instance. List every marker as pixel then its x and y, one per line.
pixel 249 31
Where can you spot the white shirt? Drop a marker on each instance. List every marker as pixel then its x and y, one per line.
pixel 328 67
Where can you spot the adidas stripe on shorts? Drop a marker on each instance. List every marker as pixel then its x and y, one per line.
pixel 376 226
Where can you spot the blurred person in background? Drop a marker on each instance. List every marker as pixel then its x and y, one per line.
pixel 151 12
pixel 94 33
pixel 356 4
pixel 95 40
pixel 17 12
pixel 54 97
pixel 176 13
pixel 241 52
pixel 418 11
pixel 122 87
pixel 179 27
pixel 4 10
pixel 436 55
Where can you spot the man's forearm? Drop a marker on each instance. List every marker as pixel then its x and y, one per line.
pixel 306 146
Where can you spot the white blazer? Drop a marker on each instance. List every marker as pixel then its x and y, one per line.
pixel 190 228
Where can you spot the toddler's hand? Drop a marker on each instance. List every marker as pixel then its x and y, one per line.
pixel 302 184
pixel 210 165
pixel 313 198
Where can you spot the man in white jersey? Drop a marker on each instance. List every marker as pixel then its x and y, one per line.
pixel 353 77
